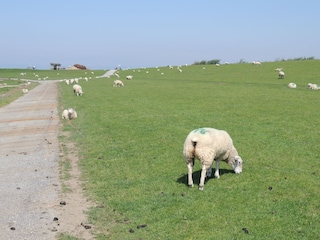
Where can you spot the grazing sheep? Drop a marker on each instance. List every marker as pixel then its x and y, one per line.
pixel 118 83
pixel 77 89
pixel 256 63
pixel 67 82
pixel 278 69
pixel 129 77
pixel 292 85
pixel 208 144
pixel 24 90
pixel 281 75
pixel 313 86
pixel 180 70
pixel 69 114
pixel 217 65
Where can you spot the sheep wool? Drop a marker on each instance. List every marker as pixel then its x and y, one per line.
pixel 292 85
pixel 281 75
pixel 118 83
pixel 77 89
pixel 206 145
pixel 69 114
pixel 313 86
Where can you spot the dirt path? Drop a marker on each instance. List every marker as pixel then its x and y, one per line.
pixel 30 187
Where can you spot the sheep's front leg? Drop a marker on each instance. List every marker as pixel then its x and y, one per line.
pixel 190 169
pixel 216 173
pixel 203 176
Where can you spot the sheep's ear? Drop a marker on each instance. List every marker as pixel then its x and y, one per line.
pixel 238 159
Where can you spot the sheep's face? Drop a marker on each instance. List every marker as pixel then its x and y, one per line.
pixel 237 165
pixel 70 110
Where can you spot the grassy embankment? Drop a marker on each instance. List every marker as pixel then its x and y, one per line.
pixel 130 143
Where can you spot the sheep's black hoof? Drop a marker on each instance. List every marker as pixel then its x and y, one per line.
pixel 201 188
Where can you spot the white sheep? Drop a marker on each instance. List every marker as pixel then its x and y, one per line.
pixel 217 65
pixel 77 89
pixel 208 144
pixel 24 90
pixel 69 114
pixel 313 86
pixel 292 85
pixel 256 63
pixel 281 74
pixel 129 77
pixel 118 83
pixel 67 82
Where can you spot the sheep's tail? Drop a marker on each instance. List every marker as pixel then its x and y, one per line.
pixel 190 149
pixel 194 141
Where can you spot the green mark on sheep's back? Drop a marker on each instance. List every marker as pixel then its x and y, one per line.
pixel 201 130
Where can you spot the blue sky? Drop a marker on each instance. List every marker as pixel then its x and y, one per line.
pixel 102 34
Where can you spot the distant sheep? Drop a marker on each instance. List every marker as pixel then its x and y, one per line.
pixel 256 63
pixel 24 90
pixel 281 75
pixel 69 114
pixel 207 145
pixel 292 85
pixel 118 83
pixel 129 77
pixel 313 86
pixel 77 89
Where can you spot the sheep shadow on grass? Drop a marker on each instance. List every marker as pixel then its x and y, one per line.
pixel 197 174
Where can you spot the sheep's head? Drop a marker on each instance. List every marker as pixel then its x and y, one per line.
pixel 70 112
pixel 237 164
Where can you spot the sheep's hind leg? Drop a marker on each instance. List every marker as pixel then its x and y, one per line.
pixel 202 178
pixel 190 169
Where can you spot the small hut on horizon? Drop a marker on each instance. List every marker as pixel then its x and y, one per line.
pixel 55 66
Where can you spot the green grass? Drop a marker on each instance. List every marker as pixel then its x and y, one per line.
pixel 130 142
pixel 12 89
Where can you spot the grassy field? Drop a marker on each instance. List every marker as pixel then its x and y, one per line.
pixel 130 142
pixel 12 89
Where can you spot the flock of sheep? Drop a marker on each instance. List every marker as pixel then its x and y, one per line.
pixel 281 75
pixel 205 144
pixel 70 113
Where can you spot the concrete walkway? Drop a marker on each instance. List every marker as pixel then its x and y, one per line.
pixel 29 154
